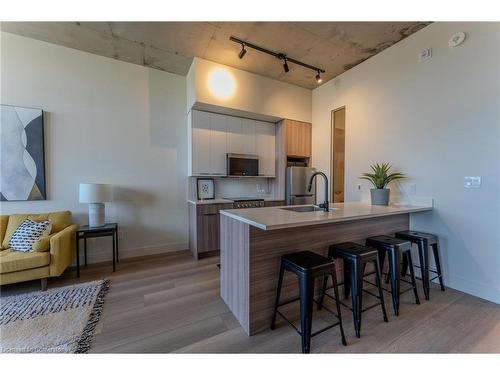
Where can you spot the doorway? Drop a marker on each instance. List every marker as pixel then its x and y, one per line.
pixel 338 155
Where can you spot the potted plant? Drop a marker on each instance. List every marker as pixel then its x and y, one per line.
pixel 380 178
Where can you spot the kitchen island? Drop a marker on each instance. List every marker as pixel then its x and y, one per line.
pixel 253 240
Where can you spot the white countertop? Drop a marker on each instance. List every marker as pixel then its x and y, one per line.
pixel 269 218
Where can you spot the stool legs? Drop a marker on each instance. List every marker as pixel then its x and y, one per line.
pixel 337 304
pixel 356 274
pixel 306 309
pixel 278 293
pixel 379 286
pixel 435 250
pixel 423 254
pixel 347 279
pixel 409 261
pixel 394 272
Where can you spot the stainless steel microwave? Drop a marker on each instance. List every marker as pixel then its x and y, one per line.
pixel 242 165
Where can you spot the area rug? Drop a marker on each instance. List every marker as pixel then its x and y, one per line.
pixel 60 320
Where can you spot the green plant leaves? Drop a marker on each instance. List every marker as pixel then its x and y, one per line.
pixel 380 176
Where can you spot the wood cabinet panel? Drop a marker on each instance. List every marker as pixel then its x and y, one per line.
pixel 204 230
pixel 298 138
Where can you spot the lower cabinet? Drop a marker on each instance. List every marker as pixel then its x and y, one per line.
pixel 204 233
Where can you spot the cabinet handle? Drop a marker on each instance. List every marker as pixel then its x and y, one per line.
pixel 209 214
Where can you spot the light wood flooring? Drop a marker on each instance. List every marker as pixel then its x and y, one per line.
pixel 171 303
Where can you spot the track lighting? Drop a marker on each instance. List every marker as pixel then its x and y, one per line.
pixel 285 66
pixel 278 55
pixel 318 77
pixel 243 51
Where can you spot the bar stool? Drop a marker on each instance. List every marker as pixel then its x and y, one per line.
pixel 396 249
pixel 423 241
pixel 307 266
pixel 355 258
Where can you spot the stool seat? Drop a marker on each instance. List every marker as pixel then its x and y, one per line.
pixel 388 242
pixel 307 266
pixel 307 262
pixel 352 251
pixel 415 236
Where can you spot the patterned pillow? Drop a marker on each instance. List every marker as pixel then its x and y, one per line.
pixel 28 233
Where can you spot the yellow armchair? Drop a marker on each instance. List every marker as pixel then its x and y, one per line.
pixel 44 261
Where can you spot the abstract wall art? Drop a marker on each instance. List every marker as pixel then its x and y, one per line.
pixel 22 155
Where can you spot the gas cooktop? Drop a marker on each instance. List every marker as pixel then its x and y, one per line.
pixel 244 199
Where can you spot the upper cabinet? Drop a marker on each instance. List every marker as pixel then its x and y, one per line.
pixel 298 138
pixel 212 136
pixel 265 147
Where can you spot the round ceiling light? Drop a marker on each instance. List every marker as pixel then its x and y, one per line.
pixel 221 84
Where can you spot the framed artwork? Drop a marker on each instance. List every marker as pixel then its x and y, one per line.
pixel 206 188
pixel 22 154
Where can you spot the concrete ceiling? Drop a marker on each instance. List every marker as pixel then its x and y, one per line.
pixel 170 46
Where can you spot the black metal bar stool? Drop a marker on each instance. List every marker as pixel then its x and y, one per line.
pixel 396 250
pixel 355 258
pixel 307 266
pixel 423 241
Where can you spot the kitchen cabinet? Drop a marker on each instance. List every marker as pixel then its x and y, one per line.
pixel 214 135
pixel 298 137
pixel 218 144
pixel 265 147
pixel 204 233
pixel 200 141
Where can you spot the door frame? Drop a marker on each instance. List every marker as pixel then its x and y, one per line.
pixel 332 151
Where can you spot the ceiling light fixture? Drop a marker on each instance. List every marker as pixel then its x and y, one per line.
pixel 285 66
pixel 243 51
pixel 278 55
pixel 318 77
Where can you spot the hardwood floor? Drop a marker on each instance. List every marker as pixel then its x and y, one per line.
pixel 171 303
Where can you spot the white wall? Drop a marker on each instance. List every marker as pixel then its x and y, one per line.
pixel 111 122
pixel 438 121
pixel 253 94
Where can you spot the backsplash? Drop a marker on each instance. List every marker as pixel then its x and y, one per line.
pixel 236 187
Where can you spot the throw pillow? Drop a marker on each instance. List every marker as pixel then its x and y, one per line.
pixel 28 233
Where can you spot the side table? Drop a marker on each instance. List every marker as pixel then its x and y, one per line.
pixel 84 232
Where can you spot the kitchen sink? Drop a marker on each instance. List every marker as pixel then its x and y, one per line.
pixel 311 208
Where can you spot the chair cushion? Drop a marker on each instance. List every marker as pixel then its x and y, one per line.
pixel 13 261
pixel 42 244
pixel 29 232
pixel 60 220
pixel 4 220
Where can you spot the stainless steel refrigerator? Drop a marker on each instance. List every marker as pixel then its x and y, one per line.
pixel 297 179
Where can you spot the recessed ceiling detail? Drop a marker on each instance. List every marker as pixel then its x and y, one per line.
pixel 170 46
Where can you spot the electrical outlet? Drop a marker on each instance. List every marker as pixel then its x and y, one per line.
pixel 472 182
pixel 412 189
pixel 425 54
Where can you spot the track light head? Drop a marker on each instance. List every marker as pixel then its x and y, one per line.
pixel 318 78
pixel 242 52
pixel 285 66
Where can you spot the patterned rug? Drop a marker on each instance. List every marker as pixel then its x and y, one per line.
pixel 60 320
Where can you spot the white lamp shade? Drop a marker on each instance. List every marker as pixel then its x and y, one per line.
pixel 95 193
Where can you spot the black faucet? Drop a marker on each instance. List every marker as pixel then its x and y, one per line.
pixel 325 205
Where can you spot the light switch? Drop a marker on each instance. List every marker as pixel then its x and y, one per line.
pixel 472 182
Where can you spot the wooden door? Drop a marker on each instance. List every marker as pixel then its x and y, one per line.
pixel 338 155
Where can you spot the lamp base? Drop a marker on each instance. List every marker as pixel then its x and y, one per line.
pixel 96 215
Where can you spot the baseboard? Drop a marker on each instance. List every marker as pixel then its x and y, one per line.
pixel 105 255
pixel 487 292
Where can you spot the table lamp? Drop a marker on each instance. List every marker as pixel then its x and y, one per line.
pixel 95 195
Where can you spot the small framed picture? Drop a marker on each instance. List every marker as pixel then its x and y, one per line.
pixel 206 189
